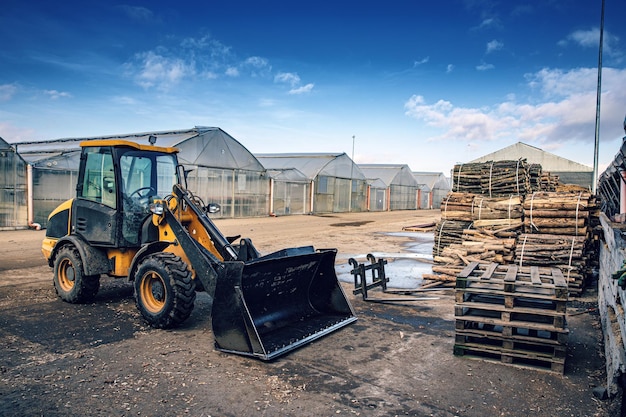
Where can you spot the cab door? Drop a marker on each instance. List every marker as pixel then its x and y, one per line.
pixel 95 214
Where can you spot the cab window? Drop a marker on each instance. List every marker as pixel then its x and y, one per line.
pixel 98 182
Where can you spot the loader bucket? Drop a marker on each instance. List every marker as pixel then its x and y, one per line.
pixel 274 304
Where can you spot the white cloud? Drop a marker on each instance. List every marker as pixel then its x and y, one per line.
pixel 591 39
pixel 449 68
pixel 302 90
pixel 421 62
pixel 494 45
pixel 7 91
pixel 232 72
pixel 484 66
pixel 54 94
pixel 160 71
pixel 287 78
pixel 137 13
pixel 565 112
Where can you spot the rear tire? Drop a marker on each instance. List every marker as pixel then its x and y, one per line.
pixel 70 282
pixel 164 290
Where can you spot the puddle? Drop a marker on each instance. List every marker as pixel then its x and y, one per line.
pixel 404 269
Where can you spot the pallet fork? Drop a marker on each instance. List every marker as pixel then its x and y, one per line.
pixel 379 279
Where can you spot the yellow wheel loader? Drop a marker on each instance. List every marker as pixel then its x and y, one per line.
pixel 132 218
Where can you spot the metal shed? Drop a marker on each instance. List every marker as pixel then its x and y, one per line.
pixel 337 184
pixel 569 172
pixel 401 186
pixel 13 201
pixel 221 170
pixel 435 188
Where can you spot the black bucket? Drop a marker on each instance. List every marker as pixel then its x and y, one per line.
pixel 276 303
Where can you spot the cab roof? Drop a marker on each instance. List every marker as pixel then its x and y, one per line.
pixel 128 144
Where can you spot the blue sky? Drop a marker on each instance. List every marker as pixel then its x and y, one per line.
pixel 428 84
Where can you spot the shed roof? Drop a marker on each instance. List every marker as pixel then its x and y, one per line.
pixel 313 164
pixel 533 155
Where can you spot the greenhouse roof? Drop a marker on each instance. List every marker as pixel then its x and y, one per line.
pixel 434 180
pixel 390 174
pixel 200 146
pixel 313 164
pixel 287 175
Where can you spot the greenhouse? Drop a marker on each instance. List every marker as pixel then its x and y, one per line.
pixel 290 192
pixel 13 201
pixel 438 186
pixel 376 195
pixel 401 186
pixel 335 182
pixel 221 170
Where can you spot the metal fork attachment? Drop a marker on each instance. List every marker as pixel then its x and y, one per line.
pixel 378 279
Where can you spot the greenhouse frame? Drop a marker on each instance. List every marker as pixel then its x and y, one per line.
pixel 336 184
pixel 437 187
pixel 401 188
pixel 220 169
pixel 13 188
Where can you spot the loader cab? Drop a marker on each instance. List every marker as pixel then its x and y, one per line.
pixel 117 181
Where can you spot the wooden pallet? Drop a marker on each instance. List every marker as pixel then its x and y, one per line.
pixel 512 315
pixel 532 332
pixel 522 359
pixel 531 281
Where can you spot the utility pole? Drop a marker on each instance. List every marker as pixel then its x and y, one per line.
pixel 594 180
pixel 351 175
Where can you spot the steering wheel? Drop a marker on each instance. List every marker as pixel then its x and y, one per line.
pixel 148 190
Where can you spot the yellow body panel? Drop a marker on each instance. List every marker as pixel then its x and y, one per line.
pixel 47 246
pixel 118 142
pixel 123 259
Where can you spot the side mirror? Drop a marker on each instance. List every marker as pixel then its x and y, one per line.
pixel 213 208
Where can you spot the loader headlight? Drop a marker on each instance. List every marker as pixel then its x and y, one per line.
pixel 156 208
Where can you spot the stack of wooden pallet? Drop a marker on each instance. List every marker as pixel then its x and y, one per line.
pixel 512 315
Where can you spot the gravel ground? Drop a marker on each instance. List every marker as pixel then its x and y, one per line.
pixel 59 359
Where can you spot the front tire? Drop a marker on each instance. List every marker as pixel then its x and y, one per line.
pixel 164 290
pixel 70 282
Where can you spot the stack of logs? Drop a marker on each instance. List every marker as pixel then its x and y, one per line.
pixel 541 228
pixel 557 230
pixel 475 228
pixel 493 179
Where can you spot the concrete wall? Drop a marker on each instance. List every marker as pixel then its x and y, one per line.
pixel 611 305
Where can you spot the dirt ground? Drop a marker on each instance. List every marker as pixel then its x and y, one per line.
pixel 59 359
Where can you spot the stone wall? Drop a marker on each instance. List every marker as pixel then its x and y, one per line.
pixel 611 304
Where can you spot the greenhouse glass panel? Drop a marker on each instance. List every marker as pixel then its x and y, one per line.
pixel 13 205
pixel 239 193
pixel 290 198
pixel 51 188
pixel 403 198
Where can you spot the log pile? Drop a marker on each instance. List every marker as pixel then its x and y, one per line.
pixel 565 252
pixel 475 228
pixel 558 228
pixel 448 232
pixel 554 229
pixel 494 178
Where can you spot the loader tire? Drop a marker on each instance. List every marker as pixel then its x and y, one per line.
pixel 70 282
pixel 164 290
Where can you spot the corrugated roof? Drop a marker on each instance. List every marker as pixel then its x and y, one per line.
pixel 534 155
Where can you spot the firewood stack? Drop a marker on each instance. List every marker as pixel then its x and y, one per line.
pixel 535 173
pixel 475 228
pixel 557 229
pixel 493 179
